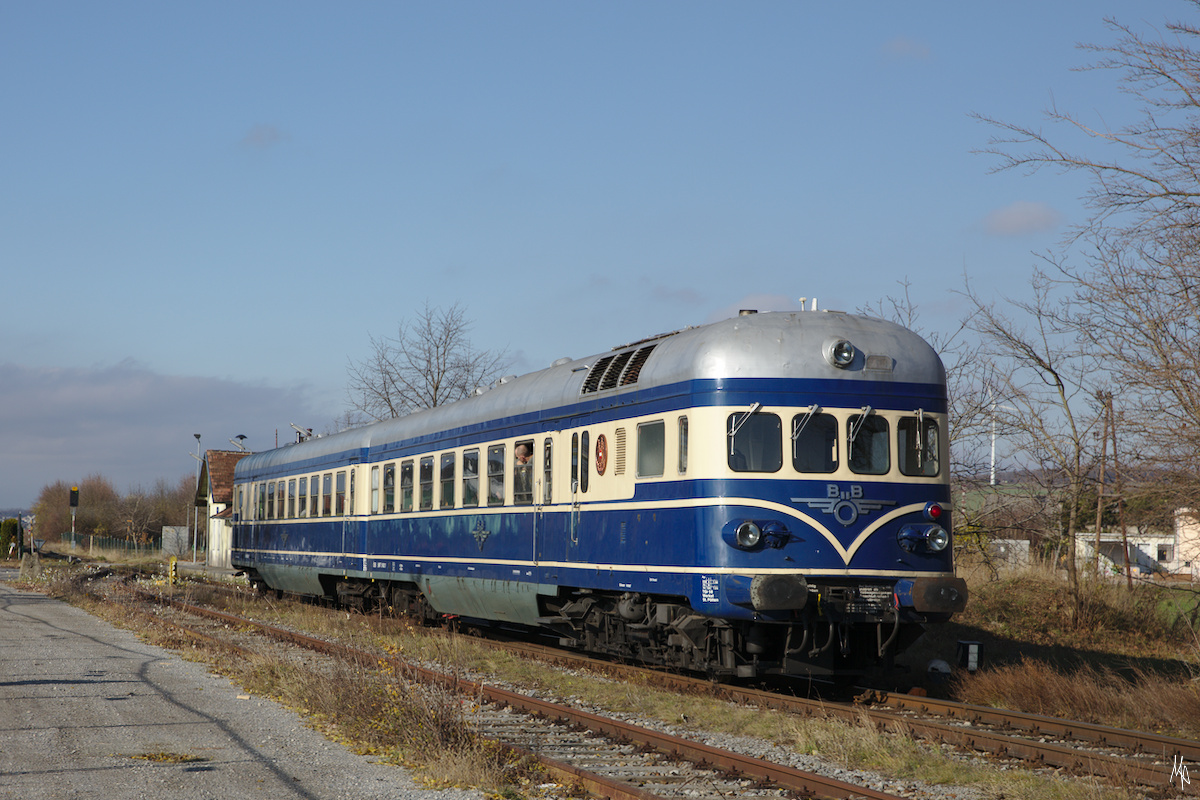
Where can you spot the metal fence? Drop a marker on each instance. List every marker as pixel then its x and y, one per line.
pixel 82 543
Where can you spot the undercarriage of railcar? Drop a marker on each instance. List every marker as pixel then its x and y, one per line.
pixel 842 630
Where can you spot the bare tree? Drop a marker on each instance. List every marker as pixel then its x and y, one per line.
pixel 430 362
pixel 1134 267
pixel 1046 383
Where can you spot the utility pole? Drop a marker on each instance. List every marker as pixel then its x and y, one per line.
pixel 1106 399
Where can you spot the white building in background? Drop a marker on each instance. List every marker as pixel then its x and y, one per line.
pixel 214 503
pixel 1175 553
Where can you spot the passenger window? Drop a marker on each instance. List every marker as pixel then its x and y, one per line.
pixel 271 500
pixel 495 475
pixel 815 443
pixel 374 490
pixel 868 447
pixel 651 449
pixel 389 488
pixel 327 494
pixel 406 486
pixel 574 463
pixel 426 479
pixel 683 445
pixel 291 508
pixel 341 494
pixel 583 463
pixel 447 474
pixel 547 451
pixel 755 442
pixel 262 502
pixel 470 478
pixel 302 508
pixel 523 473
pixel 919 453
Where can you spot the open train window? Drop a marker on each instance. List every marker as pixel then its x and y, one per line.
pixel 815 442
pixel 426 481
pixel 495 456
pixel 389 488
pixel 406 486
pixel 651 449
pixel 470 478
pixel 523 473
pixel 302 501
pixel 446 471
pixel 868 449
pixel 919 442
pixel 755 441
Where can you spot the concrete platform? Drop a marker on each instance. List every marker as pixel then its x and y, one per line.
pixel 88 711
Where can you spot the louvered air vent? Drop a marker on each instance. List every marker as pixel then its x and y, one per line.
pixel 621 369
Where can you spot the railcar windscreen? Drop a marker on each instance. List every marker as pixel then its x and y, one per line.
pixel 755 442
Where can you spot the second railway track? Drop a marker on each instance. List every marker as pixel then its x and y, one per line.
pixel 1076 748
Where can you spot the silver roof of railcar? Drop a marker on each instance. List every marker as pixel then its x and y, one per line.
pixel 767 345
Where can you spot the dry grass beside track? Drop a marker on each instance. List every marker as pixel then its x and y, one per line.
pixel 379 712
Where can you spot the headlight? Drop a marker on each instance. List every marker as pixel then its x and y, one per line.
pixel 927 538
pixel 936 538
pixel 748 535
pixel 840 353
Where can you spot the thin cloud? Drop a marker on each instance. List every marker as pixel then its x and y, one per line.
pixel 262 137
pixel 1022 218
pixel 127 423
pixel 903 47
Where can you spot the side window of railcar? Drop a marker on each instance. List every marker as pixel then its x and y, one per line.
pixel 495 465
pixel 340 506
pixel 470 478
pixel 406 486
pixel 584 459
pixel 271 500
pixel 302 499
pixel 547 452
pixel 574 463
pixel 755 442
pixel 868 448
pixel 389 488
pixel 374 490
pixel 327 494
pixel 523 473
pixel 919 452
pixel 291 512
pixel 426 480
pixel 683 445
pixel 815 443
pixel 446 472
pixel 651 449
pixel 261 512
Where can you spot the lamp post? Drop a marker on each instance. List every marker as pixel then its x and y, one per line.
pixel 196 508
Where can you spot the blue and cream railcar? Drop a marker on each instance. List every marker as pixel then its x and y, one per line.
pixel 766 494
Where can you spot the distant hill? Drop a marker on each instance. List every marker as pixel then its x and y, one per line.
pixel 9 513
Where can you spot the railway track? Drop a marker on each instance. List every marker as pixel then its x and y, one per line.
pixel 607 757
pixel 1075 747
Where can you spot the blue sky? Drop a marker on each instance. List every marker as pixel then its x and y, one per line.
pixel 207 209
